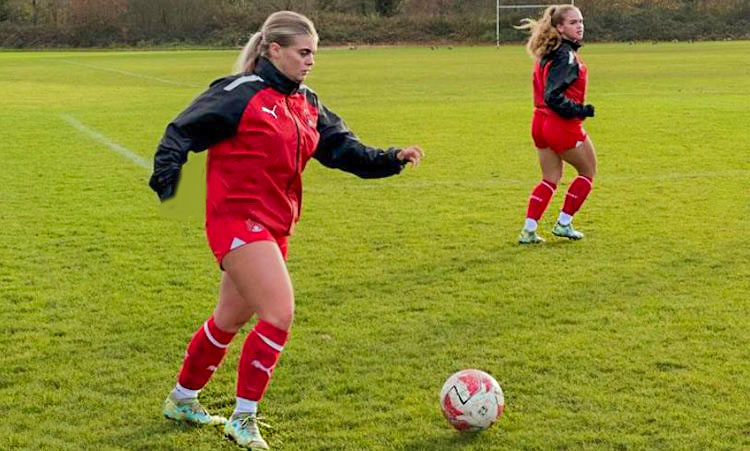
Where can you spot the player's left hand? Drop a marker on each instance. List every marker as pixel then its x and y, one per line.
pixel 412 154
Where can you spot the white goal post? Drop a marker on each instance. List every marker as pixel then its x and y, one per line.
pixel 499 7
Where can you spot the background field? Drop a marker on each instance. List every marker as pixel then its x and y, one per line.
pixel 636 337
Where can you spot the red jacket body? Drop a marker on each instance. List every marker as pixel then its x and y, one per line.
pixel 261 130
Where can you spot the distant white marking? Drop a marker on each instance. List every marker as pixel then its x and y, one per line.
pixel 548 186
pixel 586 179
pixel 113 146
pixel 133 74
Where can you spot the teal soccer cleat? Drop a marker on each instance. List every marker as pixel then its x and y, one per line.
pixel 566 231
pixel 243 429
pixel 190 411
pixel 527 237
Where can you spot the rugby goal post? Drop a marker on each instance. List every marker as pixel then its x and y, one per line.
pixel 500 6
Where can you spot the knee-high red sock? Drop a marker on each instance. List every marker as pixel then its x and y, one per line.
pixel 260 353
pixel 203 355
pixel 577 193
pixel 539 199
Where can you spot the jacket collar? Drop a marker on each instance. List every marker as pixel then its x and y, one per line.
pixel 573 44
pixel 271 75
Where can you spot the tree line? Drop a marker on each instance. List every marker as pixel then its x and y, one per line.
pixel 105 23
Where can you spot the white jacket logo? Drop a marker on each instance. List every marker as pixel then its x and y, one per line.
pixel 272 112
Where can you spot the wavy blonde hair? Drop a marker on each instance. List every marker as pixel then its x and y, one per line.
pixel 280 27
pixel 544 36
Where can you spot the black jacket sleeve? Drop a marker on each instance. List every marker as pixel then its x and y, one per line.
pixel 339 148
pixel 212 117
pixel 562 73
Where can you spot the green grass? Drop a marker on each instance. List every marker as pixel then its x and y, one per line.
pixel 636 337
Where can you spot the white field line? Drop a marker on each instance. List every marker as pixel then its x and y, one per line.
pixel 133 74
pixel 113 146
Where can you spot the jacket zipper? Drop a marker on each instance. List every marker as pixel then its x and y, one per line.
pixel 296 161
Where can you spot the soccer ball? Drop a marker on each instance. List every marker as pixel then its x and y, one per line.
pixel 471 400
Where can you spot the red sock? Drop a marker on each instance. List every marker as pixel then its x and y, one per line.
pixel 260 353
pixel 203 355
pixel 577 194
pixel 539 199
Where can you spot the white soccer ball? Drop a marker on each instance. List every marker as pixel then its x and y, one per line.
pixel 471 400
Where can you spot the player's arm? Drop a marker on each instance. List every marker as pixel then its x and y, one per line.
pixel 562 73
pixel 212 117
pixel 339 148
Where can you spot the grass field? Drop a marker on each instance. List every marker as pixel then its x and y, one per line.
pixel 637 337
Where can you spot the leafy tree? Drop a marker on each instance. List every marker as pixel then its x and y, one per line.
pixel 387 8
pixel 4 10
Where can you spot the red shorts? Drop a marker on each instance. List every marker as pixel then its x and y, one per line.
pixel 551 131
pixel 225 235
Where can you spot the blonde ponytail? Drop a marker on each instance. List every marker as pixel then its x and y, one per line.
pixel 281 27
pixel 249 55
pixel 544 35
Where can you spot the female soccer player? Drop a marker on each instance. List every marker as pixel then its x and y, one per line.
pixel 559 82
pixel 261 127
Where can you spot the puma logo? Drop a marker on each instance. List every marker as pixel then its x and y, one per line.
pixel 260 366
pixel 272 112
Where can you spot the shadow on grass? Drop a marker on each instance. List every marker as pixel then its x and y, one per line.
pixel 443 442
pixel 165 434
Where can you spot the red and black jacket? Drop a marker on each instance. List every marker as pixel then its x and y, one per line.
pixel 261 129
pixel 560 80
